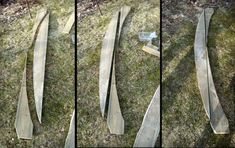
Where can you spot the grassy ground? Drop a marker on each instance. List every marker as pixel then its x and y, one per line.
pixel 58 100
pixel 137 72
pixel 184 119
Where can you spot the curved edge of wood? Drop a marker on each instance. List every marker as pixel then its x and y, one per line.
pixel 115 119
pixel 150 127
pixel 69 24
pixel 106 59
pixel 70 139
pixel 39 62
pixel 23 121
pixel 218 120
pixel 39 18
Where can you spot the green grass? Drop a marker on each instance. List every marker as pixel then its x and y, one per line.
pixel 137 72
pixel 58 100
pixel 184 119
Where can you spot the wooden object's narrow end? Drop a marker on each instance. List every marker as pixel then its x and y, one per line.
pixel 70 140
pixel 69 24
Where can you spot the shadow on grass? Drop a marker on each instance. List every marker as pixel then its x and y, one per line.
pixel 180 74
pixel 209 138
pixel 181 43
pixel 225 95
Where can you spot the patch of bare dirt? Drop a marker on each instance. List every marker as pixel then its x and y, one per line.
pixel 87 7
pixel 11 10
pixel 175 12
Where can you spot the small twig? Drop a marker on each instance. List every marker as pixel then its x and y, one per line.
pixel 28 9
pixel 98 7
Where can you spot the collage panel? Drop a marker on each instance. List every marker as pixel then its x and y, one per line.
pixel 36 74
pixel 198 105
pixel 118 73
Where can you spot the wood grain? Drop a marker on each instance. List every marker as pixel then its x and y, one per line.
pixel 150 127
pixel 23 122
pixel 39 65
pixel 115 120
pixel 151 50
pixel 218 119
pixel 70 140
pixel 69 24
pixel 106 60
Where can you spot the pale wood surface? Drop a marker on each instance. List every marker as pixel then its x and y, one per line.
pixel 39 17
pixel 69 24
pixel 124 12
pixel 39 65
pixel 150 127
pixel 106 60
pixel 115 120
pixel 218 120
pixel 70 140
pixel 23 122
pixel 151 49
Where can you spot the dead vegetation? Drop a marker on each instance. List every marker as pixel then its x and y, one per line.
pixel 87 7
pixel 10 10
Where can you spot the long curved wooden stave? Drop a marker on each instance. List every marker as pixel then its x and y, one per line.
pixel 106 59
pixel 212 106
pixel 39 65
pixel 150 127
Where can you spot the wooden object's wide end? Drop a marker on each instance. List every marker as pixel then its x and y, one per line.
pixel 23 122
